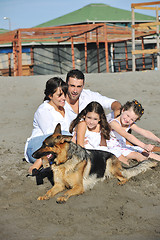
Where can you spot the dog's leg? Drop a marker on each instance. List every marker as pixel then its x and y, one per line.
pixel 75 181
pixel 114 168
pixel 117 173
pixel 52 192
pixel 76 190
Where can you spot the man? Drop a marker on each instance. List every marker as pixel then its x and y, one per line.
pixel 78 98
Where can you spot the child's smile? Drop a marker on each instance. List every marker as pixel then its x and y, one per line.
pixel 128 117
pixel 92 120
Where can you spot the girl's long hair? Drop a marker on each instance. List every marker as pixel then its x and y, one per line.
pixel 51 87
pixel 97 108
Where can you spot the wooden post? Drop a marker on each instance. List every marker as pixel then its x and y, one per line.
pixel 85 52
pixel 133 41
pixel 19 54
pixel 119 66
pixel 158 54
pixel 143 57
pixel 97 42
pixel 72 48
pixel 106 48
pixel 112 57
pixel 15 58
pixel 32 60
pixel 9 65
pixel 126 53
pixel 152 62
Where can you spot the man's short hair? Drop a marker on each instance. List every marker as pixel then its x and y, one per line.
pixel 75 73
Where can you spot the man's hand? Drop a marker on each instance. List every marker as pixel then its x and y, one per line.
pixel 116 106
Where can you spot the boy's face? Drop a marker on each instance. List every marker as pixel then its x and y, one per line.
pixel 75 87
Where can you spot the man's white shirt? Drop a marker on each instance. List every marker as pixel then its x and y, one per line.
pixel 85 98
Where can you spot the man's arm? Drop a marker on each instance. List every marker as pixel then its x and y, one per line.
pixel 116 106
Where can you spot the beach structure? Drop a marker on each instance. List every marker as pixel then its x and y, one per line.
pixel 96 38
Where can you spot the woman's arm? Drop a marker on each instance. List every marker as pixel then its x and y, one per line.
pixel 145 133
pixel 115 126
pixel 81 130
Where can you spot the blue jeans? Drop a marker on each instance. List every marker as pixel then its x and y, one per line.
pixel 36 142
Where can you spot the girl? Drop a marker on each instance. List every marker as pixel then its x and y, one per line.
pixel 91 126
pixel 48 115
pixel 130 113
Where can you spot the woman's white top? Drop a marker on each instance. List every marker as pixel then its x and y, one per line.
pixel 46 119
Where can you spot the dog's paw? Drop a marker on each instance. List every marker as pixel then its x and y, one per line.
pixel 61 200
pixel 43 197
pixel 122 182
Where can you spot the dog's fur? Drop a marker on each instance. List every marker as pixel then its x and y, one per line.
pixel 78 169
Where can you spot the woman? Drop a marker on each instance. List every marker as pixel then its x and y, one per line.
pixel 48 115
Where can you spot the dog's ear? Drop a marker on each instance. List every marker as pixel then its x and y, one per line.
pixel 57 129
pixel 66 138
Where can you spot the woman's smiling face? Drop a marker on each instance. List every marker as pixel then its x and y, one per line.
pixel 58 98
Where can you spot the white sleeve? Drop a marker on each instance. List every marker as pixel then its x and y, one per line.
pixel 103 100
pixel 45 121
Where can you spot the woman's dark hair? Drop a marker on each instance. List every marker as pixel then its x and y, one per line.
pixel 136 106
pixel 51 87
pixel 97 108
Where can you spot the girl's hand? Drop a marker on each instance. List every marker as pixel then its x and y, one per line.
pixel 158 140
pixel 149 147
pixel 85 141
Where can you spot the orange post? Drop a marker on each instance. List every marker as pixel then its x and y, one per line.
pixel 32 59
pixel 19 54
pixel 9 64
pixel 97 42
pixel 72 49
pixel 106 48
pixel 85 52
pixel 15 58
pixel 143 57
pixel 126 53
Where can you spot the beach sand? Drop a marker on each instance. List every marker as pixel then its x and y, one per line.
pixel 108 211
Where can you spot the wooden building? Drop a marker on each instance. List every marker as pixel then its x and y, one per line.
pixel 96 38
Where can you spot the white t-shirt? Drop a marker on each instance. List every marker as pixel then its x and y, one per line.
pixel 85 98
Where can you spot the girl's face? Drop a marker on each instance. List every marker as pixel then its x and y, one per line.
pixel 58 98
pixel 128 117
pixel 92 119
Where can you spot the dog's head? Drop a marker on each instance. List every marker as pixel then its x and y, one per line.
pixel 51 145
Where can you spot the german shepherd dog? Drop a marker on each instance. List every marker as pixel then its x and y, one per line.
pixel 79 169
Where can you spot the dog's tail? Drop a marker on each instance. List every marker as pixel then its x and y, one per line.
pixel 139 168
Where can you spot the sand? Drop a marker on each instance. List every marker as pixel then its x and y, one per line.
pixel 107 212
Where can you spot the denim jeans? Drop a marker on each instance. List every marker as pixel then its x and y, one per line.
pixel 35 143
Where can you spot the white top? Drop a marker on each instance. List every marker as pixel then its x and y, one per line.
pixel 115 138
pixel 117 143
pixel 85 98
pixel 93 138
pixel 46 119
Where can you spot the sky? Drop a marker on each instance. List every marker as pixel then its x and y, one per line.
pixel 29 13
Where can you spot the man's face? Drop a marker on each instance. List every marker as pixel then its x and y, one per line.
pixel 75 87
